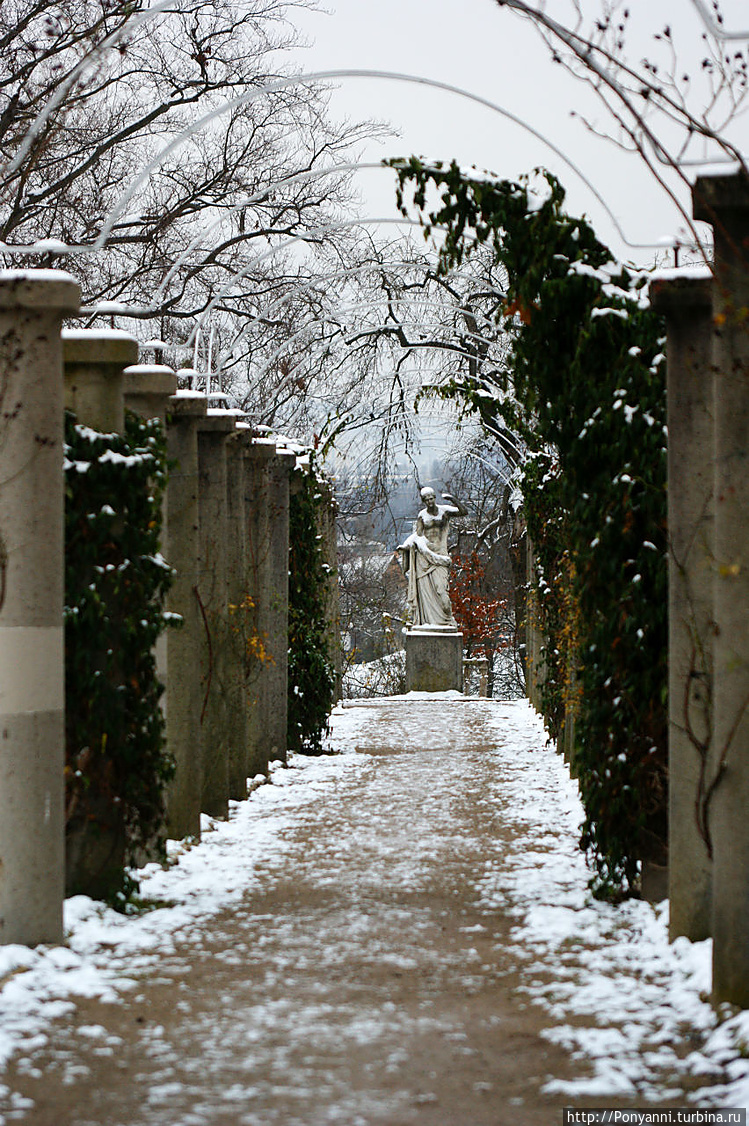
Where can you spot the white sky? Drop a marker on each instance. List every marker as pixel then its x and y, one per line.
pixel 489 51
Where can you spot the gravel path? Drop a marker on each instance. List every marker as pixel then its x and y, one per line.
pixel 356 978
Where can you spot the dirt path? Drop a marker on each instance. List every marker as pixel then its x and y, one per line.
pixel 360 983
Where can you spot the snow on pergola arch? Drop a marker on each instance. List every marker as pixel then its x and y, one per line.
pixel 307 175
pixel 280 84
pixel 394 76
pixel 108 308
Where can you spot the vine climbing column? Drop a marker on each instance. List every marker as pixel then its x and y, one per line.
pixel 236 687
pixel 258 454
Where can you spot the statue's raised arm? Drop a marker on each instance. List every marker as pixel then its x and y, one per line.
pixel 455 504
pixel 425 558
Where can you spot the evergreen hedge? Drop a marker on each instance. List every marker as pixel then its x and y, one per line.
pixel 311 670
pixel 115 583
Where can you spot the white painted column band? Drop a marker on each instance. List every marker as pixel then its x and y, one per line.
pixel 31 669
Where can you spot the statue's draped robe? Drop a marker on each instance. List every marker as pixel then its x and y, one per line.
pixel 428 569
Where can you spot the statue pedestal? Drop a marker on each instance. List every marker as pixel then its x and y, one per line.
pixel 434 659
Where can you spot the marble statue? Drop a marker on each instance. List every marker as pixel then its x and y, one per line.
pixel 425 559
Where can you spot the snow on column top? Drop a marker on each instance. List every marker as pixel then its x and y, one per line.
pixel 40 289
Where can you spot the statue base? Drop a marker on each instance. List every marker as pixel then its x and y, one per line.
pixel 434 659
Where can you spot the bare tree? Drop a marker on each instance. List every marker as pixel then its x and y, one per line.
pixel 489 551
pixel 140 141
pixel 676 106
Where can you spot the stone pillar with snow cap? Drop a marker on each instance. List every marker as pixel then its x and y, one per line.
pixel 237 593
pixel 191 379
pixel 213 594
pixel 723 201
pixel 258 582
pixel 32 734
pixel 147 389
pixel 279 472
pixel 94 363
pixel 685 298
pixel 185 411
pixel 332 594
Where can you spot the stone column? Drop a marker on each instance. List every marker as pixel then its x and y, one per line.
pixel 32 734
pixel 330 552
pixel 258 584
pixel 94 362
pixel 686 301
pixel 278 471
pixel 534 642
pixel 569 724
pixel 724 202
pixel 183 645
pixel 520 581
pixel 237 591
pixel 148 389
pixel 213 595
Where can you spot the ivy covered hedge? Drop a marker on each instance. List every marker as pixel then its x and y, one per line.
pixel 584 387
pixel 311 669
pixel 115 582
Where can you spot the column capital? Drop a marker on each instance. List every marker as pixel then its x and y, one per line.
pixel 102 347
pixel 93 361
pixel 53 290
pixel 712 195
pixel 148 389
pixel 680 292
pixel 221 424
pixel 261 449
pixel 285 460
pixel 150 379
pixel 187 405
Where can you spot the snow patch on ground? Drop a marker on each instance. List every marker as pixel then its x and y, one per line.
pixel 618 994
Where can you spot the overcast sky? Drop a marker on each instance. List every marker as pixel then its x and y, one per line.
pixel 490 52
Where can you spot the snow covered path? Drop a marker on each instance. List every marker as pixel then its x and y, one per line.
pixel 400 933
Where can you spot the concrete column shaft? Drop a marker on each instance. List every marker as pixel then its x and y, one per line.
pixel 236 574
pixel 32 736
pixel 148 388
pixel 277 681
pixel 724 202
pixel 333 607
pixel 183 645
pixel 213 432
pixel 258 585
pixel 686 302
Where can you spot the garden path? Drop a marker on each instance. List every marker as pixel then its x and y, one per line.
pixel 372 959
